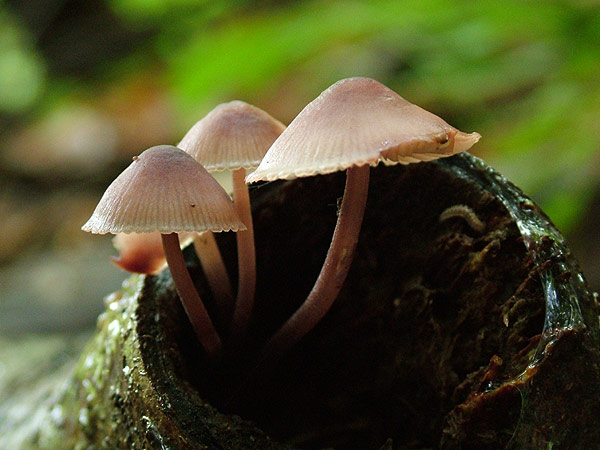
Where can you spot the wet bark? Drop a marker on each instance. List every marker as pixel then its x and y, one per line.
pixel 443 336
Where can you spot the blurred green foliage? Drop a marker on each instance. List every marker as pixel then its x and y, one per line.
pixel 22 71
pixel 522 73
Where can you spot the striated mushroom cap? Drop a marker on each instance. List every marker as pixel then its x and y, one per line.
pixel 165 190
pixel 354 122
pixel 232 136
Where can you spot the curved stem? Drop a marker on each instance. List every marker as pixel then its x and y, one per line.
pixel 246 258
pixel 216 275
pixel 203 326
pixel 335 268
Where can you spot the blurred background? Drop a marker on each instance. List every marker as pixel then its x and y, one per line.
pixel 87 84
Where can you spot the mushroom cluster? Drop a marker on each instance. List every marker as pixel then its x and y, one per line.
pixel 354 124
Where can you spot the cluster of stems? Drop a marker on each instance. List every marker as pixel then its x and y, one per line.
pixel 232 314
pixel 319 300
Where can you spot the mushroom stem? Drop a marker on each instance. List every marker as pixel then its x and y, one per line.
pixel 335 268
pixel 192 304
pixel 216 274
pixel 246 258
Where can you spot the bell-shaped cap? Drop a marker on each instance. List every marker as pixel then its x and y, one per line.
pixel 354 122
pixel 165 190
pixel 232 136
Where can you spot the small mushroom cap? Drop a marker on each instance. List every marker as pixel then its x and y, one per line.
pixel 232 136
pixel 143 252
pixel 165 190
pixel 354 122
pixel 139 252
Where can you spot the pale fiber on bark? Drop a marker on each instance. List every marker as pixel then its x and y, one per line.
pixel 465 213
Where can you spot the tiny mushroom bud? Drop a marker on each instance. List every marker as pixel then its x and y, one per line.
pixel 139 252
pixel 236 136
pixel 355 123
pixel 154 194
pixel 142 252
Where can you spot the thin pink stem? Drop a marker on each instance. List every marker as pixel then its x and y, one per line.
pixel 203 326
pixel 246 258
pixel 216 274
pixel 335 268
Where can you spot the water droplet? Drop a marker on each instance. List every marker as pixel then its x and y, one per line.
pixel 89 361
pixel 113 306
pixel 114 328
pixel 84 417
pixel 56 413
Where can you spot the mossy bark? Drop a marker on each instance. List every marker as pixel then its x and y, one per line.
pixel 442 336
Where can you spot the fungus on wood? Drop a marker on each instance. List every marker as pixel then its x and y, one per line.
pixel 354 124
pixel 442 336
pixel 166 190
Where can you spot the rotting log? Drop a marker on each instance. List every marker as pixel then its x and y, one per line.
pixel 443 336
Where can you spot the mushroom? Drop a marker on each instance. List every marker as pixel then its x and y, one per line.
pixel 139 252
pixel 236 136
pixel 166 190
pixel 355 123
pixel 142 252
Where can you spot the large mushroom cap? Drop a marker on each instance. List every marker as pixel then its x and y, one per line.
pixel 232 136
pixel 165 190
pixel 354 122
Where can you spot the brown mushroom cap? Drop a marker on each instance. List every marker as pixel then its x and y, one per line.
pixel 165 190
pixel 232 136
pixel 354 122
